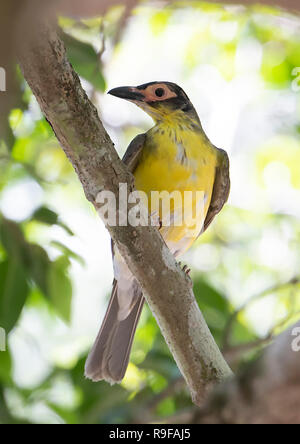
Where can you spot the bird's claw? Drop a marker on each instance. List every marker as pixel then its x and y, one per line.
pixel 184 268
pixel 187 271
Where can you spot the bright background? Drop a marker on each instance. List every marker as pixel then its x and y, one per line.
pixel 238 67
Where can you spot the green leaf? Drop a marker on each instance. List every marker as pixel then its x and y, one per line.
pixel 31 257
pixel 5 368
pixel 49 217
pixel 60 287
pixel 13 98
pixel 68 252
pixel 161 363
pixel 12 239
pixel 13 292
pixel 209 296
pixel 85 61
pixel 39 267
pixel 214 306
pixel 45 216
pixel 217 311
pixel 66 228
pixel 6 134
pixel 166 407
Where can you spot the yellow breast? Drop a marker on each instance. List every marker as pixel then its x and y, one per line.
pixel 177 159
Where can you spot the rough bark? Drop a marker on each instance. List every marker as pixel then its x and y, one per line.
pixel 76 124
pixel 267 392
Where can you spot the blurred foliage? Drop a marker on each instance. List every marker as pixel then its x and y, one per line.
pixel 35 273
pixel 85 61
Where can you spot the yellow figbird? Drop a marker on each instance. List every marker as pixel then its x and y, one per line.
pixel 174 155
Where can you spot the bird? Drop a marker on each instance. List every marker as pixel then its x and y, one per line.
pixel 175 154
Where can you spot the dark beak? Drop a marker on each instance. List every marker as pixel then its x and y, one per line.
pixel 127 92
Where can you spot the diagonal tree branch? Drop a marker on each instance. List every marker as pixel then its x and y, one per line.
pixel 76 124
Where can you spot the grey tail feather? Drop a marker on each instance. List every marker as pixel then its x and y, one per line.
pixel 109 356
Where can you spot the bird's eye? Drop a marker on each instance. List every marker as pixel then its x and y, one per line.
pixel 159 92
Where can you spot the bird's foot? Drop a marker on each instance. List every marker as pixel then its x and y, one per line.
pixel 155 220
pixel 186 271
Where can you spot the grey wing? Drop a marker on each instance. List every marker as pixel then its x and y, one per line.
pixel 133 153
pixel 221 188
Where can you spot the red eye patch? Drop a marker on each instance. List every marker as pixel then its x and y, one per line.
pixel 158 93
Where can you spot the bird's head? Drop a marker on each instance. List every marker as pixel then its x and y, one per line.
pixel 161 100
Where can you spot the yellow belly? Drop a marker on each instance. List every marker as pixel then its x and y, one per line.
pixel 178 162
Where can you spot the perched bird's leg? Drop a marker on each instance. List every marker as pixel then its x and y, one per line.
pixel 156 220
pixel 184 268
pixel 187 271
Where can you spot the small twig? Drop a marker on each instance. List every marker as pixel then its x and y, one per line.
pixel 236 313
pixel 103 41
pixel 233 353
pixel 122 23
